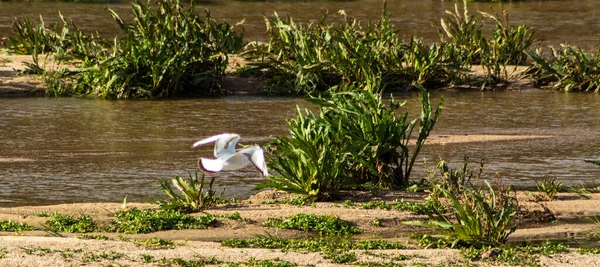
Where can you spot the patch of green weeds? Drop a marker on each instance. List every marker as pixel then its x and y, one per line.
pixel 93 236
pixel 311 245
pixel 521 255
pixel 10 226
pixel 348 204
pixel 376 223
pixel 146 258
pixel 155 243
pixel 43 214
pixel 67 223
pixel 252 262
pixel 328 225
pixel 380 264
pixel 418 208
pixel 3 253
pixel 380 204
pixel 135 221
pixel 236 217
pixel 584 251
pixel 200 261
pixel 103 255
pixel 340 257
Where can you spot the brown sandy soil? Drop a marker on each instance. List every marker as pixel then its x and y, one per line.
pixel 38 248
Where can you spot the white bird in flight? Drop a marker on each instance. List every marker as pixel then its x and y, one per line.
pixel 229 159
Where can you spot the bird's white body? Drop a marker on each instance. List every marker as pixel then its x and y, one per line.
pixel 227 158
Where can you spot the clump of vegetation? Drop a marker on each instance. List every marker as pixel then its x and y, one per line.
pixel 325 152
pixel 521 255
pixel 549 188
pixel 568 68
pixel 136 221
pixel 93 236
pixel 194 195
pixel 10 226
pixel 453 180
pixel 506 45
pixel 67 223
pixel 168 50
pixel 155 243
pixel 479 217
pixel 329 225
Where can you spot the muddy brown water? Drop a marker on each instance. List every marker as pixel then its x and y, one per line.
pixel 81 150
pixel 555 22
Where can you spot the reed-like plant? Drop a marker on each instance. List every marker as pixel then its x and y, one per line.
pixel 568 68
pixel 194 194
pixel 479 217
pixel 453 180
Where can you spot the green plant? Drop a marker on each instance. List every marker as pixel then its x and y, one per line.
pixel 102 255
pixel 322 224
pixel 10 226
pixel 549 187
pixel 325 152
pixel 155 243
pixel 134 221
pixel 453 180
pixel 193 197
pixel 481 218
pixel 67 223
pixel 568 68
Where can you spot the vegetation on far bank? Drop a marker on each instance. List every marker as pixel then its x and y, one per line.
pixel 168 50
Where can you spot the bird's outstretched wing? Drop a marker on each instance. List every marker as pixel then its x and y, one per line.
pixel 210 165
pixel 224 143
pixel 257 157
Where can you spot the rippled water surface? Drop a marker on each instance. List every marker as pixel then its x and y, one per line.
pixel 80 150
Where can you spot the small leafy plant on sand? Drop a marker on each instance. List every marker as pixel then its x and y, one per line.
pixel 549 188
pixel 10 226
pixel 136 221
pixel 479 217
pixel 194 195
pixel 329 225
pixel 454 181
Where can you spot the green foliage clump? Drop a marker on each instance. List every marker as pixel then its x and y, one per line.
pixel 329 225
pixel 136 221
pixel 193 196
pixel 549 188
pixel 478 217
pixel 568 68
pixel 10 226
pixel 67 223
pixel 325 152
pixel 168 50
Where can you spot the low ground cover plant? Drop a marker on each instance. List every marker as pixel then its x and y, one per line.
pixel 71 224
pixel 135 221
pixel 324 225
pixel 10 226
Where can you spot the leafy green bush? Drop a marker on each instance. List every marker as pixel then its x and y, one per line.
pixel 322 224
pixel 480 217
pixel 568 68
pixel 168 50
pixel 549 187
pixel 193 197
pixel 134 221
pixel 326 152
